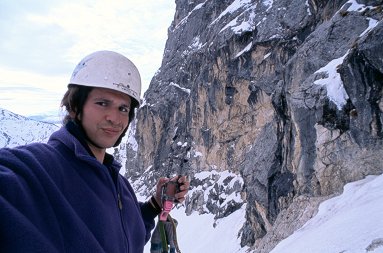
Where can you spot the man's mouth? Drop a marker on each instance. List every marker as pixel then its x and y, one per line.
pixel 112 131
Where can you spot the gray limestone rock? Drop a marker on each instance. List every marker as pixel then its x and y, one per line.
pixel 285 95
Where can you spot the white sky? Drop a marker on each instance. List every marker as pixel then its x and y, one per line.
pixel 42 41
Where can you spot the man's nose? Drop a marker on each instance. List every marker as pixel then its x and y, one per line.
pixel 114 116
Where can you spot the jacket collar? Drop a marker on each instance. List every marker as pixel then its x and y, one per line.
pixel 73 136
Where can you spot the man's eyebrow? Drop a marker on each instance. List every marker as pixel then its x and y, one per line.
pixel 110 100
pixel 101 98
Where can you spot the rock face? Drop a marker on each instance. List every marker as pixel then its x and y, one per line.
pixel 284 95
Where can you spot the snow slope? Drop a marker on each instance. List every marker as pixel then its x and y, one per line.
pixel 18 130
pixel 348 223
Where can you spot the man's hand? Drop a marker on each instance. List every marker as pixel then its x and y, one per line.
pixel 183 190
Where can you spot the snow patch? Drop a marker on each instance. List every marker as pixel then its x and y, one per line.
pixel 333 82
pixel 196 44
pixel 355 6
pixel 308 8
pixel 371 25
pixel 216 180
pixel 185 144
pixel 268 4
pixel 231 8
pixel 266 56
pixel 131 141
pixel 247 48
pixel 184 20
pixel 183 89
pixel 244 26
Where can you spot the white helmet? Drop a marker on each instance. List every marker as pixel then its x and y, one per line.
pixel 107 69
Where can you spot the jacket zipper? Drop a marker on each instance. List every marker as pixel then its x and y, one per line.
pixel 120 207
pixel 115 183
pixel 119 201
pixel 116 191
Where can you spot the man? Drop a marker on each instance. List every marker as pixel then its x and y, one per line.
pixel 67 195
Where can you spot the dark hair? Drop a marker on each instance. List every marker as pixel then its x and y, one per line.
pixel 74 100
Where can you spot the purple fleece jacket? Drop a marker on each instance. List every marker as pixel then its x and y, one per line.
pixel 56 197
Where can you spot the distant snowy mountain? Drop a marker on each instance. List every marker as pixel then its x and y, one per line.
pixel 18 130
pixel 47 117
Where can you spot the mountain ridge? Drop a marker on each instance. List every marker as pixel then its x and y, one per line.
pixel 18 130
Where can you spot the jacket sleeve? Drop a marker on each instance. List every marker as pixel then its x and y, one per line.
pixel 149 213
pixel 20 218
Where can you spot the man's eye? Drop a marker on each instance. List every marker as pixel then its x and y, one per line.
pixel 102 103
pixel 124 109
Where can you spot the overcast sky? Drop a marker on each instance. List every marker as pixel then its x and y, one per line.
pixel 42 41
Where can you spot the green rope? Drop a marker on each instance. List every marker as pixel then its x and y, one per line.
pixel 163 237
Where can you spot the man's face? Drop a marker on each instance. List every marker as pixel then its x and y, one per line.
pixel 105 116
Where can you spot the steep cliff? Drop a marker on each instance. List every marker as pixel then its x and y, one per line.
pixel 285 96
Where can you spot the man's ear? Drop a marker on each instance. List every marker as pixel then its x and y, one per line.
pixel 73 114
